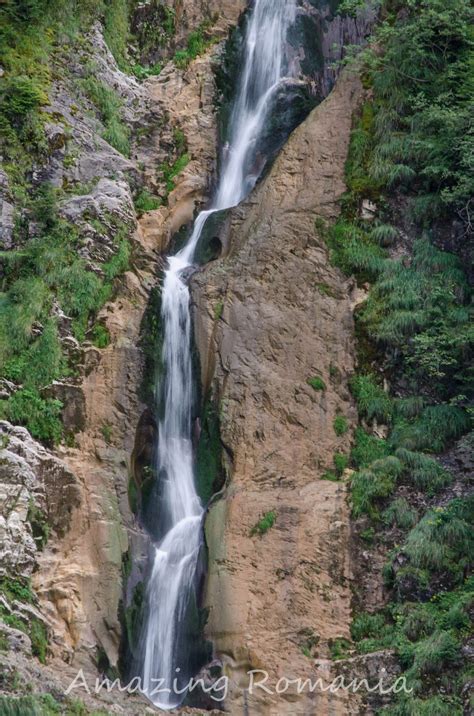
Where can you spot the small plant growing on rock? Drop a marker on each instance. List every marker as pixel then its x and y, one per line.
pixel 263 525
pixel 316 383
pixel 106 431
pixel 340 425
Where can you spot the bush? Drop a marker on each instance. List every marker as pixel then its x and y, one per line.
pixel 109 104
pixel 442 541
pixel 171 171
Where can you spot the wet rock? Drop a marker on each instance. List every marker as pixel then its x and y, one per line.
pixel 276 331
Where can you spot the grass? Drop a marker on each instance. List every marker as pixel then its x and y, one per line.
pixel 316 383
pixel 106 431
pixel 171 171
pixel 372 401
pixel 371 486
pixel 47 268
pixel 196 45
pixel 144 201
pixel 340 425
pixel 264 524
pixel 109 106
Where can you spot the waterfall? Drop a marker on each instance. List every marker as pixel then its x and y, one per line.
pixel 175 558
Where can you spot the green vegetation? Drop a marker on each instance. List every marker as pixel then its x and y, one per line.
pixel 45 269
pixel 218 310
pixel 144 201
pixel 196 45
pixel 109 105
pixel 39 524
pixel 340 425
pixel 409 156
pixel 316 383
pixel 44 705
pixel 264 524
pixel 99 335
pixel 210 475
pixel 373 402
pixel 339 648
pixel 106 431
pixel 171 171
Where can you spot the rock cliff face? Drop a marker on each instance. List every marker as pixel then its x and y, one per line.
pixel 270 316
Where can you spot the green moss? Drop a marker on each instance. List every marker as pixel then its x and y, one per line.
pixel 264 524
pixel 218 310
pixel 133 616
pixel 209 468
pixel 316 383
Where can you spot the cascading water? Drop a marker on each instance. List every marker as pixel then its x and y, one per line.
pixel 175 558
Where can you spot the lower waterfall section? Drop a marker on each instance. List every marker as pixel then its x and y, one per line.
pixel 172 584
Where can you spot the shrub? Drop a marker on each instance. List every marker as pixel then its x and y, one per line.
pixel 433 430
pixel 316 383
pixel 442 541
pixel 264 524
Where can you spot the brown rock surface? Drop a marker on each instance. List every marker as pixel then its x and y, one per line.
pixel 286 318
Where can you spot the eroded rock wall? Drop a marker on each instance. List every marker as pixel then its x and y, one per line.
pixel 269 316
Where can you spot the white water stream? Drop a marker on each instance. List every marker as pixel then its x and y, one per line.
pixel 176 556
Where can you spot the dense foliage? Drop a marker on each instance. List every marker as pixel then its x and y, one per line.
pixel 411 157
